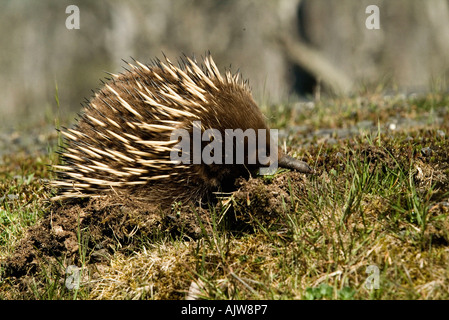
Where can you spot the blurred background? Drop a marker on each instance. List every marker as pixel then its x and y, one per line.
pixel 288 49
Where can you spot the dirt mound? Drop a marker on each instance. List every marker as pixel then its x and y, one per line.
pixel 103 224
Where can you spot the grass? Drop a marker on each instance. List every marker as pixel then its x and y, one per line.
pixel 22 192
pixel 372 224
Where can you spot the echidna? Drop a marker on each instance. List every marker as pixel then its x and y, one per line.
pixel 123 140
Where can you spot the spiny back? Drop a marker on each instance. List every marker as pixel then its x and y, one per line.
pixel 122 141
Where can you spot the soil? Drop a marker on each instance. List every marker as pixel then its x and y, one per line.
pixel 100 226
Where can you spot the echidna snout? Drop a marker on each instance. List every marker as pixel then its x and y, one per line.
pixel 285 161
pixel 123 140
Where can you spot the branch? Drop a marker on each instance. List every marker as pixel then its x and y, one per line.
pixel 315 63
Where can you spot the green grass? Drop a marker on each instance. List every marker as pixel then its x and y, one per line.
pixel 21 196
pixel 378 209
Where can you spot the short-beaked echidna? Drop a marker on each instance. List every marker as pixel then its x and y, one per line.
pixel 122 142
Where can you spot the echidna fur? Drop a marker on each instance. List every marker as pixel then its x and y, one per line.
pixel 121 143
